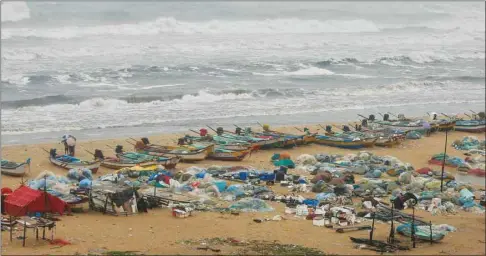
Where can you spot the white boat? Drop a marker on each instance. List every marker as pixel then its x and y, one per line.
pixel 15 169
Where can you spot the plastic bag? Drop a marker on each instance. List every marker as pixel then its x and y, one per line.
pixel 251 205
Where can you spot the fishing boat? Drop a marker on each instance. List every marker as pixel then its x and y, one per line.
pixel 470 125
pixel 229 155
pixel 130 159
pixel 184 153
pixel 345 142
pixel 227 144
pixel 260 141
pixel 14 169
pixel 69 162
pixel 442 125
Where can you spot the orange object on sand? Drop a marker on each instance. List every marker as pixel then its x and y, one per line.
pixel 284 155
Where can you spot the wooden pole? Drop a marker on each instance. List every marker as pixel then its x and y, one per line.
pixel 443 164
pixel 430 225
pixel 25 231
pixel 413 227
pixel 391 237
pixel 372 229
pixel 11 227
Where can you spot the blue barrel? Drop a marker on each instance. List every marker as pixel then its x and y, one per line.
pixel 243 175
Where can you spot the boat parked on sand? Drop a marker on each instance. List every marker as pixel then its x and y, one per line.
pixel 13 168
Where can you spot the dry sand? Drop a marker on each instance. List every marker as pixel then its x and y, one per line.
pixel 157 232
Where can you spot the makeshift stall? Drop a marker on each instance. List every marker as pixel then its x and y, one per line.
pixel 25 201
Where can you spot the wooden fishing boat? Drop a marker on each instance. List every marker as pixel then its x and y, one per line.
pixel 390 141
pixel 75 163
pixel 116 163
pixel 402 125
pixel 470 125
pixel 345 142
pixel 13 168
pixel 442 125
pixel 228 155
pixel 184 155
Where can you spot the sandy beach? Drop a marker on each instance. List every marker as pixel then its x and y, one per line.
pixel 157 232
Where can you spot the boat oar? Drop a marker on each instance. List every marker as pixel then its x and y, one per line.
pixel 468 115
pixel 194 132
pixel 362 116
pixel 110 147
pixel 211 128
pixel 298 129
pixel 91 153
pixel 473 112
pixel 132 139
pixel 236 126
pixel 260 124
pixel 445 115
pixel 380 114
pixel 45 150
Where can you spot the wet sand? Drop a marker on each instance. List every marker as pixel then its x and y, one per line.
pixel 157 232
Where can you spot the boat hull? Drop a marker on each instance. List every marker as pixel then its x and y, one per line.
pixel 346 144
pixel 93 166
pixel 470 128
pixel 16 172
pixel 170 163
pixel 229 156
pixel 191 156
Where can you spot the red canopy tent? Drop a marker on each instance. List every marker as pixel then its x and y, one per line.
pixel 25 200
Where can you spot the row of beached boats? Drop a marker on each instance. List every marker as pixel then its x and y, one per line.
pixel 235 146
pixel 476 123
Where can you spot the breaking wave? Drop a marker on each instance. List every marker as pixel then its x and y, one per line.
pixel 164 25
pixel 226 95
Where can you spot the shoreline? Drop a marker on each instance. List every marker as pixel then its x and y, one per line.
pixel 337 116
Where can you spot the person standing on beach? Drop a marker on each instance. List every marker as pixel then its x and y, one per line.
pixel 69 144
pixel 427 127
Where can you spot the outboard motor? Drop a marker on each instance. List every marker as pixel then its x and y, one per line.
pixel 98 154
pixel 328 128
pixel 181 141
pixel 53 153
pixel 238 130
pixel 219 130
pixel 119 149
pixel 401 117
pixel 386 117
pixel 371 118
pixel 364 123
pixel 346 128
pixel 435 117
pixel 145 141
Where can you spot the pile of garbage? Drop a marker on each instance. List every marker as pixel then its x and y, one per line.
pixel 62 186
pixel 468 143
pixel 437 159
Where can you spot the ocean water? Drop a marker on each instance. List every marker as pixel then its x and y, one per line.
pixel 111 69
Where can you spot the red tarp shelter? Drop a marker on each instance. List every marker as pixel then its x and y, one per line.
pixel 25 200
